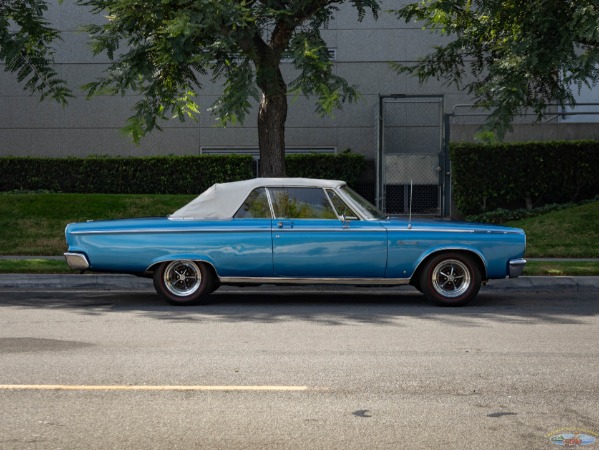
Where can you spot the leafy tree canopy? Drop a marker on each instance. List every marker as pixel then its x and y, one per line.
pixel 511 55
pixel 26 47
pixel 161 49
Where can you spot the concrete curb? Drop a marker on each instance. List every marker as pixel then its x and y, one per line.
pixel 75 281
pixel 545 284
pixel 118 282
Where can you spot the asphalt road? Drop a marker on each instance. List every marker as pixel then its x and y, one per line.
pixel 100 370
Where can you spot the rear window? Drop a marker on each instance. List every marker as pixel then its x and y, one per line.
pixel 255 206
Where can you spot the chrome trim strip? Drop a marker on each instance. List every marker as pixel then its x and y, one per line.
pixel 450 230
pixel 334 230
pixel 266 229
pixel 76 261
pixel 354 207
pixel 287 280
pixel 271 206
pixel 516 267
pixel 174 230
pixel 429 230
pixel 227 230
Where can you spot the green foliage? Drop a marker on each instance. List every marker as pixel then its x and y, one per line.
pixel 158 48
pixel 159 175
pixel 33 224
pixel 34 266
pixel 156 175
pixel 561 268
pixel 502 215
pixel 26 48
pixel 310 56
pixel 487 177
pixel 511 55
pixel 344 166
pixel 567 233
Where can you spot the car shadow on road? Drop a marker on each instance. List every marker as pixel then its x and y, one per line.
pixel 325 307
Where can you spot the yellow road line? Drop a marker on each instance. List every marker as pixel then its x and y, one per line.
pixel 62 387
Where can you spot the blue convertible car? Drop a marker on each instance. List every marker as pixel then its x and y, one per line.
pixel 295 231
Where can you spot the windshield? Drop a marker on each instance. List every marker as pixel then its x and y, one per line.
pixel 368 209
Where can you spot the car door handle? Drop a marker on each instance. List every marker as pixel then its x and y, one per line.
pixel 285 224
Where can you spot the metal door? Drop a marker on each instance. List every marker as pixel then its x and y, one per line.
pixel 410 155
pixel 319 248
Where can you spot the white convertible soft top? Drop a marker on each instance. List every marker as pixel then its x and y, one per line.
pixel 221 201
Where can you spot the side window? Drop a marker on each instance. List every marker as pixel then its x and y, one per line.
pixel 255 206
pixel 301 203
pixel 340 206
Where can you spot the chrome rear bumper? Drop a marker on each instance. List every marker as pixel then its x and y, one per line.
pixel 516 267
pixel 77 261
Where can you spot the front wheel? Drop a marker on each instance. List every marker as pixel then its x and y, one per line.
pixel 451 279
pixel 182 282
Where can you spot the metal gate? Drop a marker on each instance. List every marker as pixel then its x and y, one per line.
pixel 410 157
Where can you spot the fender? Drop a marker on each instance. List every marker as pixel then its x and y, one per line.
pixel 449 248
pixel 408 260
pixel 182 256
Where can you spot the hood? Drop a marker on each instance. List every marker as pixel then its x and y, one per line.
pixel 448 225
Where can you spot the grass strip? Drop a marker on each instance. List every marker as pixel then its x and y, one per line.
pixel 561 268
pixel 34 266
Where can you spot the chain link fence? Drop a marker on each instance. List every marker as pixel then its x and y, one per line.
pixel 410 145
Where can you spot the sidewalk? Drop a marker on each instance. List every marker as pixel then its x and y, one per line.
pixel 117 282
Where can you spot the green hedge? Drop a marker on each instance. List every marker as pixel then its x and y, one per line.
pixel 152 175
pixel 523 175
pixel 345 166
pixel 158 175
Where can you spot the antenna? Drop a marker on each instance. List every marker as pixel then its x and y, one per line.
pixel 410 205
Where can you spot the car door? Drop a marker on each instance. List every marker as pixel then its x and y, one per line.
pixel 310 240
pixel 246 246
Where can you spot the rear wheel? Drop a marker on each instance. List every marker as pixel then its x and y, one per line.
pixel 451 279
pixel 183 282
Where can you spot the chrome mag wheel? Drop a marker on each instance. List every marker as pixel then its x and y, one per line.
pixel 184 282
pixel 451 278
pixel 182 278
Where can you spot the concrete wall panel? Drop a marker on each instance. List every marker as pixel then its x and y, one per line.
pixel 311 137
pixel 372 45
pixel 26 142
pixel 229 137
pixel 30 113
pixel 373 78
pixel 358 139
pixel 75 49
pixel 347 17
pixel 9 87
pixel 68 16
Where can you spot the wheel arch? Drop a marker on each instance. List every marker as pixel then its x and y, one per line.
pixel 476 256
pixel 197 259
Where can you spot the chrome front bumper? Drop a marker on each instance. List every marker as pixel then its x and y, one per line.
pixel 77 261
pixel 516 267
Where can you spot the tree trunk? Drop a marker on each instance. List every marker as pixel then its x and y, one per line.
pixel 272 115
